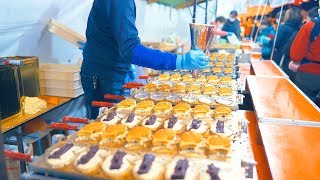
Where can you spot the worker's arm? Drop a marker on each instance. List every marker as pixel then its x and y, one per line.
pixel 300 46
pixel 126 36
pixel 222 33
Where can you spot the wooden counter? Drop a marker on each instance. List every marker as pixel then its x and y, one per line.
pixel 14 122
pixel 292 151
pixel 244 69
pixel 263 171
pixel 278 100
pixel 266 68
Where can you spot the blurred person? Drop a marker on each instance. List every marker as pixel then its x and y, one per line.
pixel 312 13
pixel 265 35
pixel 233 24
pixel 219 23
pixel 305 55
pixel 113 45
pixel 291 23
pixel 279 21
pixel 248 27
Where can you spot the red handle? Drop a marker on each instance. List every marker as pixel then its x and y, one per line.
pixel 74 120
pixel 63 126
pixel 144 77
pixel 17 156
pixel 153 75
pixel 130 86
pixel 115 97
pixel 102 104
pixel 134 84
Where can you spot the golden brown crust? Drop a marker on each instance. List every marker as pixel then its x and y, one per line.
pixel 164 87
pixel 202 108
pixel 224 91
pixel 189 139
pixel 163 135
pixel 138 133
pixel 182 107
pixel 217 70
pixel 162 106
pixel 222 110
pixel 150 87
pixel 145 104
pixel 113 131
pixel 127 103
pixel 228 70
pixel 92 128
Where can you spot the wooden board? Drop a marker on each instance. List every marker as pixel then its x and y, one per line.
pixel 278 99
pixel 266 68
pixel 292 151
pixel 65 32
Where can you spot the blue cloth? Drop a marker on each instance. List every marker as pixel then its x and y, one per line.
pixel 113 43
pixel 263 37
pixel 111 39
pixel 154 59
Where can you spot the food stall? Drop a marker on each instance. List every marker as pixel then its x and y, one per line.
pixel 234 120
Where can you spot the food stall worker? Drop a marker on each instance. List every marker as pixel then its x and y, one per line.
pixel 113 45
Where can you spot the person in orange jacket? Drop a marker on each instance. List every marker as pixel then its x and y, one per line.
pixel 305 55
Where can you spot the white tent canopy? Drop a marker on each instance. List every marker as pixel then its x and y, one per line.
pixel 24 31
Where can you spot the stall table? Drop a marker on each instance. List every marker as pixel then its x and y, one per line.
pixel 13 125
pixel 266 68
pixel 14 122
pixel 292 151
pixel 278 100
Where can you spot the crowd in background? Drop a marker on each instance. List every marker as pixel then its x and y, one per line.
pixel 295 47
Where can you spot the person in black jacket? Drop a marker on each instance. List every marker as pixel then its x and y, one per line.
pixel 233 24
pixel 292 23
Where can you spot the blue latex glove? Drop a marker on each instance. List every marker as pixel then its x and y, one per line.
pixel 82 45
pixel 265 39
pixel 230 33
pixel 192 60
pixel 131 75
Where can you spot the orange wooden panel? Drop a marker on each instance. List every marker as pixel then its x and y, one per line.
pixel 266 68
pixel 278 98
pixel 292 151
pixel 259 153
pixel 244 69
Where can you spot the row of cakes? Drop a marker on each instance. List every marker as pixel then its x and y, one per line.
pixel 165 109
pixel 194 88
pixel 95 161
pixel 162 141
pixel 188 78
pixel 192 98
pixel 228 71
pixel 222 57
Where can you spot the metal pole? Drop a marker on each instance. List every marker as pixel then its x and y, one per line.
pixel 275 38
pixel 262 16
pixel 256 18
pixel 194 11
pixel 206 15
